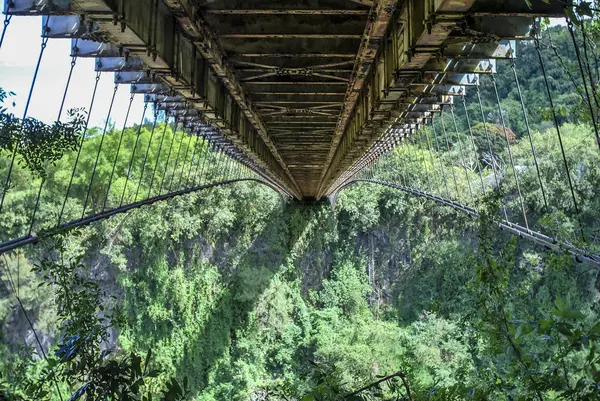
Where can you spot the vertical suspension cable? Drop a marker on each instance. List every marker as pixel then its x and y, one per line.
pixel 17 146
pixel 132 159
pixel 198 168
pixel 487 137
pixel 194 151
pixel 435 176
pixel 423 161
pixel 526 118
pixel 112 102
pixel 73 63
pixel 177 158
pixel 510 156
pixel 218 157
pixel 439 156
pixel 6 23
pixel 489 142
pixel 207 155
pixel 477 164
pixel 448 148
pixel 159 153
pixel 588 67
pixel 162 181
pixel 558 133
pixel 413 156
pixel 83 135
pixel 587 92
pixel 187 149
pixel 112 173
pixel 407 171
pixel 62 105
pixel 462 155
pixel 146 155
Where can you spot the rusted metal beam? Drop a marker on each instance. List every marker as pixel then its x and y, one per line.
pixel 286 12
pixel 295 55
pixel 204 39
pixel 288 36
pixel 368 3
pixel 374 33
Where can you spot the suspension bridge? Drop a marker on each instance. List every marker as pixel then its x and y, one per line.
pixel 307 98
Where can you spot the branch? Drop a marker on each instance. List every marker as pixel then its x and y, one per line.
pixel 399 374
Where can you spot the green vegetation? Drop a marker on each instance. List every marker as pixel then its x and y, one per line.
pixel 234 293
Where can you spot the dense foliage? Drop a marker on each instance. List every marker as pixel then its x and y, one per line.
pixel 242 295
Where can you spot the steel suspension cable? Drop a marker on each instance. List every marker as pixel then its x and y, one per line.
pixel 112 173
pixel 407 171
pixel 588 67
pixel 162 181
pixel 112 102
pixel 448 147
pixel 207 155
pixel 585 86
pixel 462 154
pixel 414 158
pixel 58 118
pixel 83 135
pixel 177 158
pixel 132 159
pixel 159 153
pixel 477 164
pixel 526 118
pixel 6 23
pixel 435 176
pixel 487 137
pixel 439 156
pixel 423 161
pixel 73 63
pixel 194 149
pixel 146 155
pixel 510 156
pixel 187 149
pixel 202 153
pixel 558 133
pixel 17 146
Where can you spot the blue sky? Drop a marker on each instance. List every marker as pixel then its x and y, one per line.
pixel 18 57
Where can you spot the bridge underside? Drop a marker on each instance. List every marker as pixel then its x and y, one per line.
pixel 305 93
